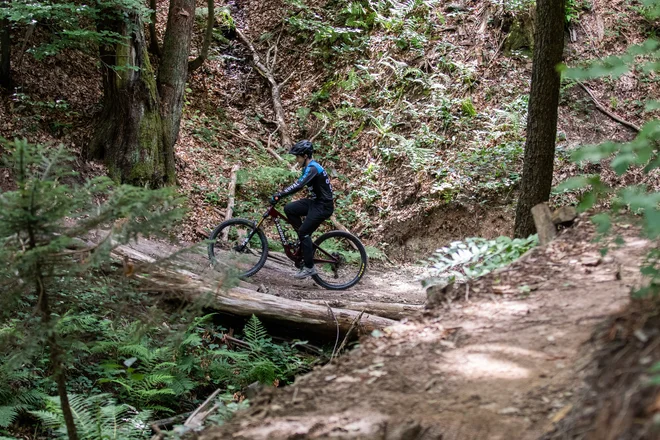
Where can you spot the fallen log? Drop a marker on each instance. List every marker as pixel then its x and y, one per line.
pixel 316 317
pixel 396 311
pixel 245 302
pixel 229 212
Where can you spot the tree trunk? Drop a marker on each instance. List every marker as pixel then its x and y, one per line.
pixel 239 301
pixel 208 36
pixel 542 117
pixel 154 48
pixel 173 71
pixel 55 350
pixel 130 135
pixel 5 49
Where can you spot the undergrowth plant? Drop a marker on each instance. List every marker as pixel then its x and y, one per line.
pixel 475 257
pixel 96 417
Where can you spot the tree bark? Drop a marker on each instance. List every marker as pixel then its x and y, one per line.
pixel 208 36
pixel 5 49
pixel 396 311
pixel 173 72
pixel 130 135
pixel 154 47
pixel 542 116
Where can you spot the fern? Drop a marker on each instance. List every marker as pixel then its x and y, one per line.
pixel 8 414
pixel 96 417
pixel 255 332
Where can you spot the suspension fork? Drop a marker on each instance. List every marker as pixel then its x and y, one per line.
pixel 254 231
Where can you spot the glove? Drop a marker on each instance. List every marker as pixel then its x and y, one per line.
pixel 275 198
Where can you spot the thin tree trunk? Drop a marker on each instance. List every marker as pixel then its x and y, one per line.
pixel 5 49
pixel 173 72
pixel 130 136
pixel 542 117
pixel 154 47
pixel 208 35
pixel 53 345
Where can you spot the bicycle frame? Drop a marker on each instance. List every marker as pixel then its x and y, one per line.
pixel 296 257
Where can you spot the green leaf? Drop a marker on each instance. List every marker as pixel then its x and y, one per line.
pixel 603 223
pixel 572 183
pixel 587 201
pixel 651 105
pixel 652 222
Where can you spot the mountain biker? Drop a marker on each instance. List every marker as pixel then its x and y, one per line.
pixel 316 209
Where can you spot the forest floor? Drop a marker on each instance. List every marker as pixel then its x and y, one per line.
pixel 505 363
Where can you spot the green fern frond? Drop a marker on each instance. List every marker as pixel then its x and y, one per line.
pixel 7 415
pixel 160 409
pixel 32 397
pixel 191 340
pixel 255 332
pixel 96 417
pixel 138 350
pixel 264 371
pixel 186 364
pixel 155 379
pixel 181 385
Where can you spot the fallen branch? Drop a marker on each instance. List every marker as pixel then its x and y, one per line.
pixel 268 149
pixel 198 416
pixel 325 124
pixel 267 73
pixel 355 322
pixel 608 113
pixel 231 198
pixel 337 338
pixel 170 421
pixel 337 224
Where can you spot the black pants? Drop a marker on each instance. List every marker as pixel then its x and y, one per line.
pixel 315 213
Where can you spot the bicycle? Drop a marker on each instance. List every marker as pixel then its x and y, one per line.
pixel 240 244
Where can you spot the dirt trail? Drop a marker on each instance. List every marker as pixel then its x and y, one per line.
pixel 499 366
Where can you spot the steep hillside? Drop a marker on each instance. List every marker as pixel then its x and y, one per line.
pixel 418 108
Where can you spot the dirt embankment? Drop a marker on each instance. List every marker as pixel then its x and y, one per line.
pixel 505 364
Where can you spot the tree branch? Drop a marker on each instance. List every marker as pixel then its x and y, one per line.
pixel 210 21
pixel 608 113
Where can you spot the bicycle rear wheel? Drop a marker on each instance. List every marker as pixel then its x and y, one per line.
pixel 238 247
pixel 340 260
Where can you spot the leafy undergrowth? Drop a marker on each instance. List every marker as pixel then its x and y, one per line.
pixel 134 357
pixel 409 113
pixel 417 107
pixel 466 260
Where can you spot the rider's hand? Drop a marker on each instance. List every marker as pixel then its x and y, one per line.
pixel 275 198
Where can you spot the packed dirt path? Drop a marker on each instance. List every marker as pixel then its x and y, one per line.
pixel 502 365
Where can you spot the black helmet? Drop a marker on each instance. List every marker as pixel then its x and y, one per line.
pixel 302 148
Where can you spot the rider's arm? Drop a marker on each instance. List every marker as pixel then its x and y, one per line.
pixel 308 175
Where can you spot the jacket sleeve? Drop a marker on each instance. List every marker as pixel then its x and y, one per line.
pixel 308 175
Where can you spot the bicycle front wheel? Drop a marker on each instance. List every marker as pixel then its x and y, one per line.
pixel 340 260
pixel 238 247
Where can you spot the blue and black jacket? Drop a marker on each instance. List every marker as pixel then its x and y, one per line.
pixel 317 181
